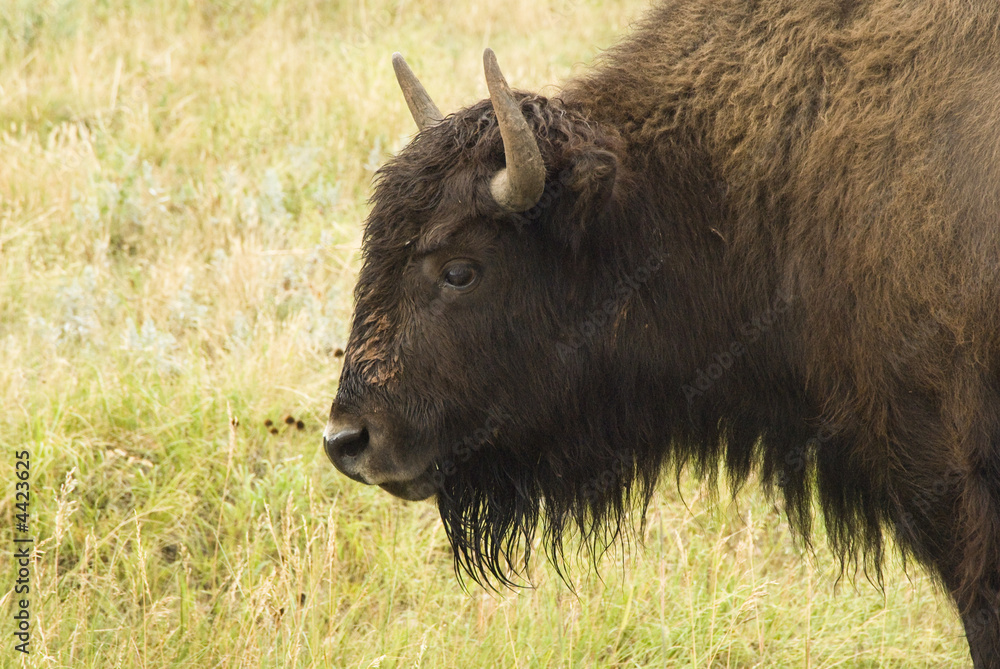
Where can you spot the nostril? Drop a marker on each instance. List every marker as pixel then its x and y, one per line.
pixel 355 446
pixel 349 441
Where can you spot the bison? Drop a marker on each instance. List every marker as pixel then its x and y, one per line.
pixel 756 237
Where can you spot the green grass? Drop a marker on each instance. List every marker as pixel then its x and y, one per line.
pixel 182 186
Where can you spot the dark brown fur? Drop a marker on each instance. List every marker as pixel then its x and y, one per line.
pixel 813 190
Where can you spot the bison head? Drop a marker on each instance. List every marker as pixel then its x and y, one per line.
pixel 483 335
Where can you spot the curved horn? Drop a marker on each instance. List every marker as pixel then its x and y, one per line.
pixel 519 186
pixel 422 108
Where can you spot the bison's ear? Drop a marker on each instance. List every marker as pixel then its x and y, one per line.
pixel 592 176
pixel 589 184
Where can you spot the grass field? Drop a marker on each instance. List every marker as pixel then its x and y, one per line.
pixel 182 187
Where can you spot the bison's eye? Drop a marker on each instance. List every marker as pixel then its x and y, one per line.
pixel 460 275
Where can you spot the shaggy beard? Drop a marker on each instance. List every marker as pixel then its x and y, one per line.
pixel 494 505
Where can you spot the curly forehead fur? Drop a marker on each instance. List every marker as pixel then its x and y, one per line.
pixel 455 158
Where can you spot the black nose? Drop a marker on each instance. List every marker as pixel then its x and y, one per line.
pixel 346 446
